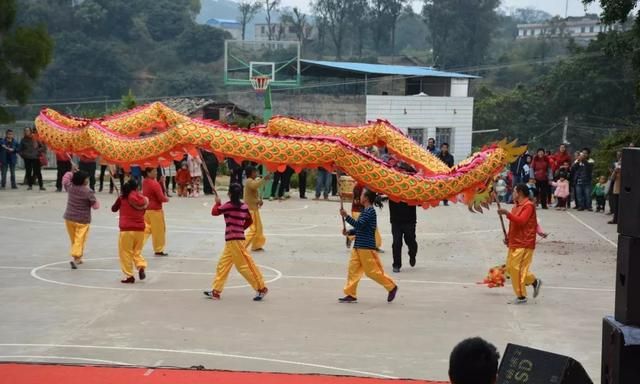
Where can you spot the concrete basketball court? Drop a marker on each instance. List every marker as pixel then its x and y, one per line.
pixel 53 314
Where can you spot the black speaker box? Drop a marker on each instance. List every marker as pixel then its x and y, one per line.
pixel 628 281
pixel 620 353
pixel 531 366
pixel 629 205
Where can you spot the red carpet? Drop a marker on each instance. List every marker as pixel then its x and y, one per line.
pixel 25 373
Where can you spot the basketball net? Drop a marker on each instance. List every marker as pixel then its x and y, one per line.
pixel 260 84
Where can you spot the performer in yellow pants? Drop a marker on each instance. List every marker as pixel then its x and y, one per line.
pixel 131 206
pixel 78 233
pixel 364 258
pixel 130 249
pixel 77 216
pixel 235 254
pixel 255 236
pixel 521 241
pixel 237 220
pixel 156 228
pixel 154 215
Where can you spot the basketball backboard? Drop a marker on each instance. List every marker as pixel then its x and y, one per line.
pixel 280 60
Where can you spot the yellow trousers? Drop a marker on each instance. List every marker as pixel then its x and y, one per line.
pixel 78 233
pixel 366 261
pixel 518 264
pixel 255 236
pixel 355 215
pixel 155 227
pixel 130 250
pixel 235 254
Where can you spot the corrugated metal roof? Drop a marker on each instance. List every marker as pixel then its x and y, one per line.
pixel 391 70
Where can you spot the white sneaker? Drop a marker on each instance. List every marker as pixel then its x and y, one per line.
pixel 536 288
pixel 518 301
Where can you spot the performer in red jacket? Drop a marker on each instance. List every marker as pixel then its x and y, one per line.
pixel 131 205
pixel 521 243
pixel 154 215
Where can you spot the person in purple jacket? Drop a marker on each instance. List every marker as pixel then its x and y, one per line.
pixel 77 217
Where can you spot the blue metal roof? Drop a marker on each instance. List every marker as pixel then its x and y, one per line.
pixel 222 21
pixel 383 69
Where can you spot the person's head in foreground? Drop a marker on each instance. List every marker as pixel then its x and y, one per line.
pixel 473 361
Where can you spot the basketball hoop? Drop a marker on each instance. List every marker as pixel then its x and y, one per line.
pixel 260 83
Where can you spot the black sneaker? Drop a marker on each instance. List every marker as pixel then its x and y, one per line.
pixel 412 261
pixel 392 294
pixel 161 254
pixel 141 274
pixel 29 188
pixel 128 280
pixel 261 294
pixel 214 295
pixel 348 299
pixel 536 287
pixel 43 188
pixel 73 265
pixel 396 270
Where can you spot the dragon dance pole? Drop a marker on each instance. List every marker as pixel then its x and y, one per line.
pixel 206 171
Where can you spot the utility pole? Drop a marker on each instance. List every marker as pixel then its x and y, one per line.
pixel 566 9
pixel 564 130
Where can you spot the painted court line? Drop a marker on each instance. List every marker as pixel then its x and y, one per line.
pixel 5 357
pixel 287 277
pixel 202 353
pixel 593 230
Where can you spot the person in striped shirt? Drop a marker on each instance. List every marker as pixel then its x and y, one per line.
pixel 237 218
pixel 364 257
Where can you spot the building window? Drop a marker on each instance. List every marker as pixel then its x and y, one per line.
pixel 582 29
pixel 591 29
pixel 445 135
pixel 262 29
pixel 524 33
pixel 417 135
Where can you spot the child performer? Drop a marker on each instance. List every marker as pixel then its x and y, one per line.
pixel 356 209
pixel 131 205
pixel 77 216
pixel 255 237
pixel 196 174
pixel 600 193
pixel 364 258
pixel 154 215
pixel 237 218
pixel 562 191
pixel 521 243
pixel 183 178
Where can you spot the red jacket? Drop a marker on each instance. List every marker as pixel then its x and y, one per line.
pixel 153 191
pixel 183 176
pixel 559 158
pixel 131 210
pixel 62 156
pixel 541 167
pixel 522 229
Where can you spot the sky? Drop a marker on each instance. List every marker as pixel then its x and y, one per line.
pixel 554 7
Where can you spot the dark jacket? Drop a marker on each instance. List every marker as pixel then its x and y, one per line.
pixel 582 172
pixel 446 158
pixel 402 213
pixel 30 148
pixel 6 156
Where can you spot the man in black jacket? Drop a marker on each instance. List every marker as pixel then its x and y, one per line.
pixel 446 158
pixel 403 224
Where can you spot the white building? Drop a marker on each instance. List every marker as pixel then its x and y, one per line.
pixel 584 28
pixel 421 101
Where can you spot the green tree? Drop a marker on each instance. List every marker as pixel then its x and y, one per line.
pixel 24 53
pixel 270 7
pixel 248 10
pixel 461 30
pixel 202 43
pixel 336 14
